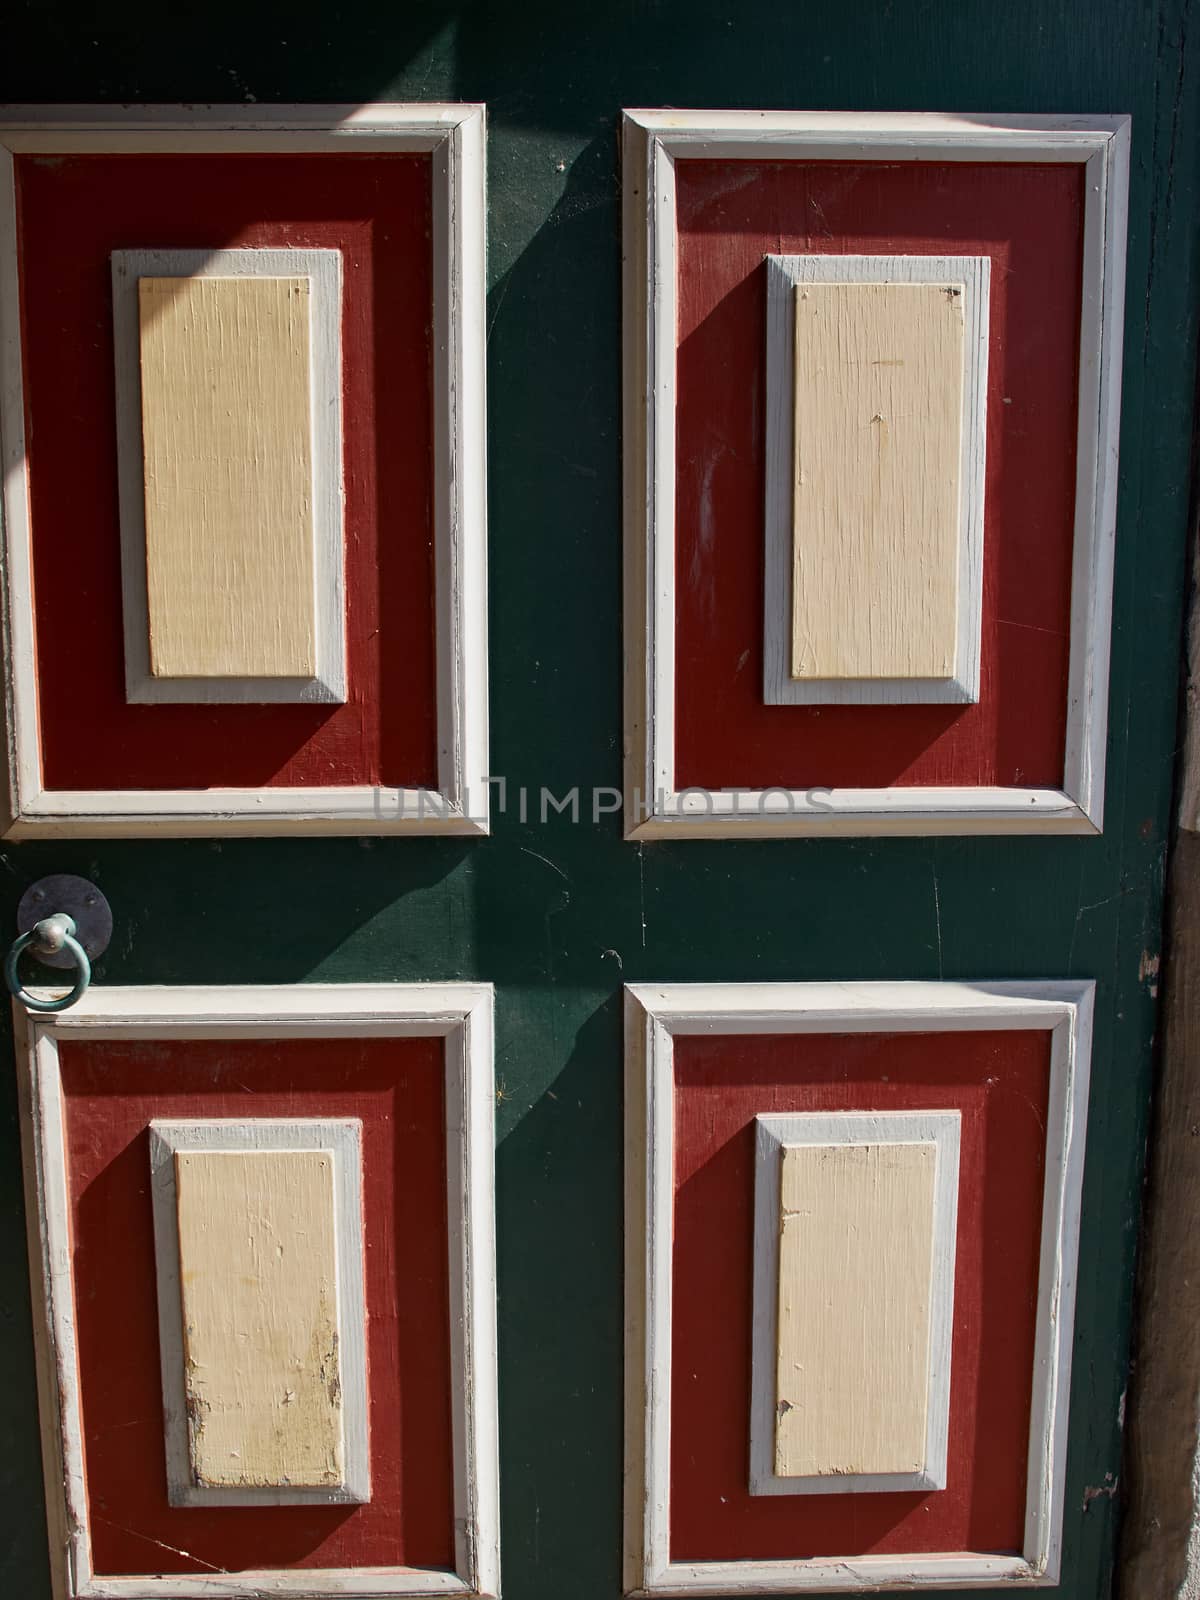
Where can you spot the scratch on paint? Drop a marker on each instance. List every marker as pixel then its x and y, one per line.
pixel 1148 972
pixel 1100 1491
pixel 173 1548
pixel 706 530
pixel 1081 912
pixel 1030 627
pixel 501 296
pixel 642 889
pixel 822 219
pixel 552 911
pixel 937 915
pixel 545 861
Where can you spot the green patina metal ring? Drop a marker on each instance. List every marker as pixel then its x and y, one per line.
pixel 51 934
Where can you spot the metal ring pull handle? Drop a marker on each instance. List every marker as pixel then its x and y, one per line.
pixel 66 922
pixel 51 936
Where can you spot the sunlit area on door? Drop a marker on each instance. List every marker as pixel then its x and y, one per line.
pixel 257 385
pixel 230 456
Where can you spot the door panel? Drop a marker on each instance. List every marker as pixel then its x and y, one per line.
pixel 555 907
pixel 282 1373
pixel 296 546
pixel 975 499
pixel 774 1311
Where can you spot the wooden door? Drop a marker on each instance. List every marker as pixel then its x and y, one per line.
pixel 321 895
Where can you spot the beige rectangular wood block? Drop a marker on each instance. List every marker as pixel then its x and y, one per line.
pixel 876 506
pixel 228 476
pixel 856 1245
pixel 259 1303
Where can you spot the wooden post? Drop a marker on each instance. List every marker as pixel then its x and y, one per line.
pixel 1160 1554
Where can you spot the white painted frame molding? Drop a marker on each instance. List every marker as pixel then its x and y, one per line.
pixel 653 142
pixel 654 1016
pixel 974 274
pixel 773 1135
pixel 454 137
pixel 342 1137
pixel 459 1013
pixel 323 269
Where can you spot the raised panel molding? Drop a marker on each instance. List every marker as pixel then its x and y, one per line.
pixel 453 137
pixel 657 805
pixel 460 1014
pixel 658 1014
pixel 231 497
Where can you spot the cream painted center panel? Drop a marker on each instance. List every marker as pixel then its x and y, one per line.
pixel 878 435
pixel 258 1289
pixel 227 451
pixel 855 1304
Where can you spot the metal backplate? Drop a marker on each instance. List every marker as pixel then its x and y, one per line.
pixel 78 898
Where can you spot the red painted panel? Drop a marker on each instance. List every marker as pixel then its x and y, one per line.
pixel 1028 219
pixel 999 1082
pixel 72 213
pixel 395 1086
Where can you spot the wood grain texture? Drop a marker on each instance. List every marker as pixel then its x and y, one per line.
pixel 258 1285
pixel 878 424
pixel 783 603
pixel 855 1302
pixel 258 1251
pixel 872 1333
pixel 1159 1554
pixel 319 484
pixel 227 453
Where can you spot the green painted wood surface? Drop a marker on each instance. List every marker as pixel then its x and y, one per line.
pixel 558 916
